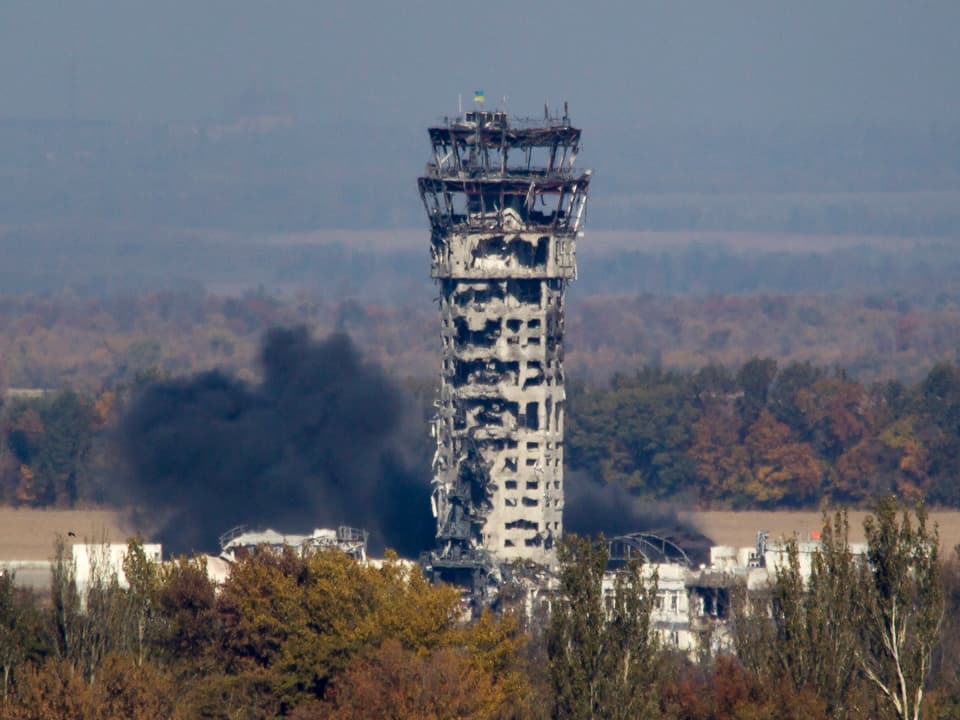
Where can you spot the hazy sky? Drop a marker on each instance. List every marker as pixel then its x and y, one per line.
pixel 700 63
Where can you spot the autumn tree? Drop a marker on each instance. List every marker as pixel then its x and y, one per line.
pixel 601 646
pixel 189 624
pixel 50 439
pixel 721 460
pixel 301 620
pixel 397 683
pixel 52 690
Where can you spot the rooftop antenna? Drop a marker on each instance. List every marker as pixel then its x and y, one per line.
pixel 546 112
pixel 459 103
pixel 72 99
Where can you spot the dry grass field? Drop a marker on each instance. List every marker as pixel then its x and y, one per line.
pixel 30 534
pixel 740 528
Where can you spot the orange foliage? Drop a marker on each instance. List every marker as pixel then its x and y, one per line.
pixel 780 469
pixel 401 684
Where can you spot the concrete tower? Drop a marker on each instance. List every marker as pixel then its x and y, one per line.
pixel 505 204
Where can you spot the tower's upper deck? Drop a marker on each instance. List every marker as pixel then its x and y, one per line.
pixel 492 173
pixel 491 144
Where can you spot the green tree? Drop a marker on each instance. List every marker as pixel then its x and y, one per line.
pixel 804 636
pixel 65 617
pixel 636 432
pixel 754 378
pixel 903 605
pixel 785 395
pixel 601 646
pixel 142 599
pixel 12 628
pixel 939 408
pixel 61 459
pixel 946 659
pixel 833 616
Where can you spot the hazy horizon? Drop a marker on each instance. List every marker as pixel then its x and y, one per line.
pixel 697 64
pixel 812 118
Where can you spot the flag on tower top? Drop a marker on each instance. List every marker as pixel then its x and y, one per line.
pixel 478 96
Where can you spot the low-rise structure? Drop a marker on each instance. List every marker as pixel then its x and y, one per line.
pixel 242 541
pixel 693 604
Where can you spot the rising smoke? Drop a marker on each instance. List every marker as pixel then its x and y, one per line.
pixel 324 439
pixel 591 508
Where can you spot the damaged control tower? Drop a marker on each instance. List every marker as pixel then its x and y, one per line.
pixel 505 204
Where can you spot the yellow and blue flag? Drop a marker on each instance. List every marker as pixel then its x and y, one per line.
pixel 478 96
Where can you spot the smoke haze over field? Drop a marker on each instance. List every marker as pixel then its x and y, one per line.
pixel 321 441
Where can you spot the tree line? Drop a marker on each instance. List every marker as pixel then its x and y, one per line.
pixel 769 436
pixel 286 635
pixel 871 635
pixel 324 637
pixel 759 437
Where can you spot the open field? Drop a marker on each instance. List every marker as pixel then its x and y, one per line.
pixel 30 534
pixel 740 528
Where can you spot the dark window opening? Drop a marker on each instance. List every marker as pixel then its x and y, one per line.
pixel 522 524
pixel 484 294
pixel 526 291
pixel 533 419
pixel 487 337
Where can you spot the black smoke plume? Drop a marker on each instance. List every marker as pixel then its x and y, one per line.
pixel 324 439
pixel 591 508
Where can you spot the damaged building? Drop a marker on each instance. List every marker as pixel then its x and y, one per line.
pixel 505 204
pixel 242 541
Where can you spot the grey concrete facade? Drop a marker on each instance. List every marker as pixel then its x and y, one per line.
pixel 505 204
